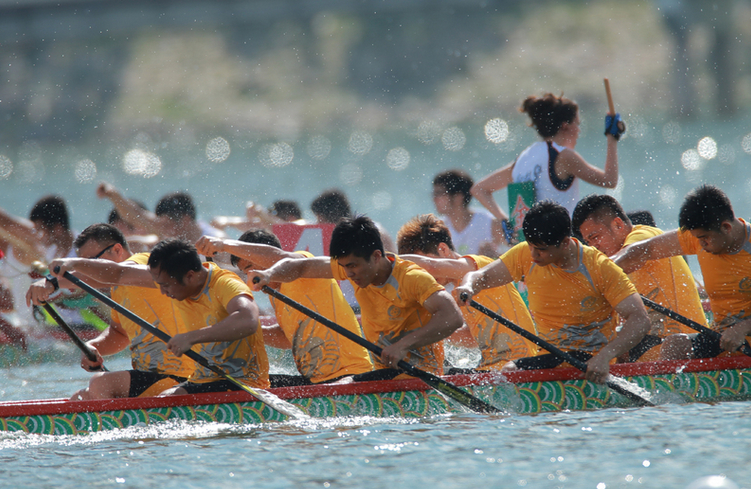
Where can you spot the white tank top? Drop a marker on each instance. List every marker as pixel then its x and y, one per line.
pixel 479 231
pixel 537 164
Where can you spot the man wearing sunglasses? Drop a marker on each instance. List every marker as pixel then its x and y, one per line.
pixel 155 367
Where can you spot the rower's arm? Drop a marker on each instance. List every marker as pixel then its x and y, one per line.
pixel 260 254
pixel 291 269
pixel 493 275
pixel 242 321
pixel 20 233
pixel 274 337
pixel 454 269
pixel 636 255
pixel 446 318
pixel 483 190
pixel 570 162
pixel 104 271
pixel 130 211
pixel 635 326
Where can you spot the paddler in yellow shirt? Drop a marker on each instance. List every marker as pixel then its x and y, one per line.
pixel 403 309
pixel 574 293
pixel 216 307
pixel 426 241
pixel 155 367
pixel 722 245
pixel 602 223
pixel 321 355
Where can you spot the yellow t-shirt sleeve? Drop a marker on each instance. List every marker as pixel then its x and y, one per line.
pixel 420 285
pixel 337 271
pixel 517 260
pixel 616 286
pixel 228 287
pixel 689 244
pixel 641 233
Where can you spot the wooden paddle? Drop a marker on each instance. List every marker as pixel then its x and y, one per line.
pixel 617 387
pixel 745 349
pixel 262 395
pixel 433 381
pixel 86 349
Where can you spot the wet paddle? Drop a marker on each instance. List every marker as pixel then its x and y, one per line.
pixel 262 395
pixel 745 349
pixel 433 381
pixel 617 387
pixel 86 349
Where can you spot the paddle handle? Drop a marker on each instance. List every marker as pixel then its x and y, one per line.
pixel 611 106
pixel 745 349
pixel 86 349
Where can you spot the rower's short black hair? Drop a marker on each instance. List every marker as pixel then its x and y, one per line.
pixel 104 234
pixel 423 234
pixel 597 207
pixel 286 210
pixel 331 206
pixel 547 223
pixel 358 236
pixel 257 236
pixel 177 257
pixel 643 217
pixel 50 211
pixel 706 207
pixel 176 205
pixel 455 182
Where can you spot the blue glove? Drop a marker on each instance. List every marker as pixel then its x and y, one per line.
pixel 614 126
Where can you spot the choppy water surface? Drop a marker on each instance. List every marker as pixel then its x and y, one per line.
pixel 667 446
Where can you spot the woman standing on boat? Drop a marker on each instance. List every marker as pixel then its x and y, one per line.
pixel 552 164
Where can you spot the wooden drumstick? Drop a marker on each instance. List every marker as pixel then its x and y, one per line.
pixel 611 106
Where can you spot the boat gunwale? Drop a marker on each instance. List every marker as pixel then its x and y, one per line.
pixel 65 406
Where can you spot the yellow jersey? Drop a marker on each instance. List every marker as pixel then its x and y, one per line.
pixel 499 345
pixel 727 279
pixel 148 353
pixel 320 353
pixel 395 308
pixel 244 359
pixel 668 282
pixel 573 309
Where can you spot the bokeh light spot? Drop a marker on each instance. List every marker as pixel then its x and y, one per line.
pixel 496 130
pixel 360 143
pixel 85 171
pixel 6 167
pixel 350 174
pixel 276 155
pixel 381 200
pixel 671 132
pixel 428 132
pixel 707 148
pixel 318 147
pixel 453 139
pixel 143 163
pixel 746 143
pixel 398 159
pixel 217 150
pixel 691 160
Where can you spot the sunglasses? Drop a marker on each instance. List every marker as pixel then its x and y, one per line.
pixel 98 255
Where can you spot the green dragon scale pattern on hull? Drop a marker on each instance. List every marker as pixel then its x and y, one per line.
pixel 520 398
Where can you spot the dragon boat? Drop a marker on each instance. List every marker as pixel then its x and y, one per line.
pixel 523 392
